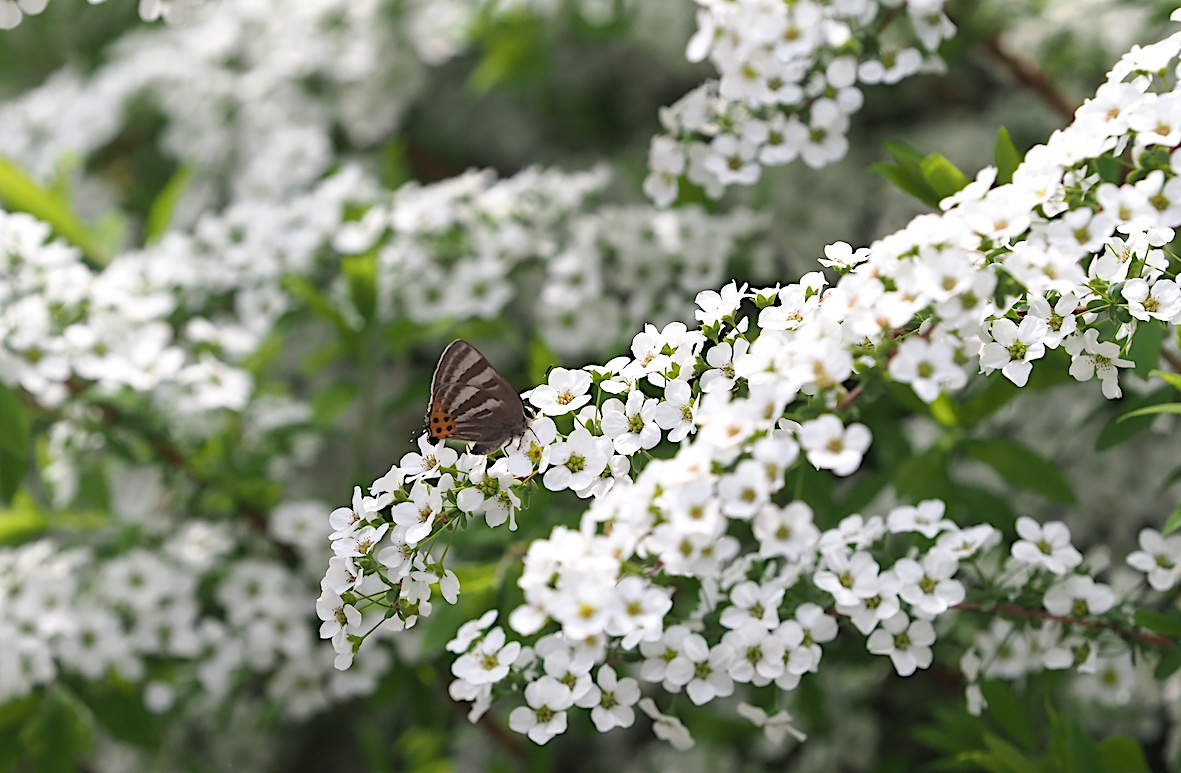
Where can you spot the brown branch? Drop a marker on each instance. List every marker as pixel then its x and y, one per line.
pixel 1148 637
pixel 1172 358
pixel 1030 76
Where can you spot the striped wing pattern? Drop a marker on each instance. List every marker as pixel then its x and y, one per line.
pixel 471 402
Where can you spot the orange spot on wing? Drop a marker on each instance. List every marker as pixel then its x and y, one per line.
pixel 440 422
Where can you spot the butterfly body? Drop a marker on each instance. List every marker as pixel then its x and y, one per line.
pixel 473 403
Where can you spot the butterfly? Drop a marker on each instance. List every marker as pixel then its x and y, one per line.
pixel 471 402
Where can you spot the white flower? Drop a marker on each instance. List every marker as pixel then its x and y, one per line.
pixel 418 515
pixel 1089 356
pixel 777 726
pixel 702 670
pixel 751 602
pixel 929 587
pixel 545 716
pixel 666 727
pixel 848 577
pixel 926 518
pixel 489 661
pixel 577 461
pixel 633 426
pixel 565 392
pixel 339 618
pixel 842 257
pixel 1161 301
pixel 785 531
pixel 1013 349
pixel 831 446
pixel 907 643
pixel 927 366
pixel 611 700
pixel 1159 557
pixel 470 631
pixel 1045 546
pixel 675 413
pixel 1078 596
pixel 713 306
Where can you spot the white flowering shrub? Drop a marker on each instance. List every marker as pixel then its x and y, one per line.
pixel 907 505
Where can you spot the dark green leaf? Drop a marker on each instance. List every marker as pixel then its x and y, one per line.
pixel 12 473
pixel 1010 712
pixel 160 213
pixel 1121 754
pixel 1021 467
pixel 1117 431
pixel 1146 347
pixel 1169 625
pixel 1169 663
pixel 14 422
pixel 1007 157
pixel 924 476
pixel 1008 755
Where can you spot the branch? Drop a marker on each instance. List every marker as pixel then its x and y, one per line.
pixel 1148 637
pixel 1030 76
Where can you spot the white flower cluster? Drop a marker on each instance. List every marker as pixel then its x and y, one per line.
pixel 787 84
pixel 74 612
pixel 1045 563
pixel 749 404
pixel 248 116
pixel 459 249
pixel 65 325
pixel 61 321
pixel 12 12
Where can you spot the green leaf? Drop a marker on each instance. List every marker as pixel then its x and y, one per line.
pixel 942 176
pixel 514 45
pixel 1146 347
pixel 12 473
pixel 1007 157
pixel 1021 467
pixel 361 273
pixel 14 422
pixel 1169 625
pixel 1173 522
pixel 1173 379
pixel 924 476
pixel 982 506
pixel 997 393
pixel 1010 712
pixel 20 193
pixel 1121 754
pixel 160 213
pixel 328 403
pixel 1117 431
pixel 1169 663
pixel 541 359
pixel 1152 410
pixel 310 295
pixel 1008 755
pixel 945 410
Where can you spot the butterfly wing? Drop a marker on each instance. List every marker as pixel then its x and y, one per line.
pixel 471 402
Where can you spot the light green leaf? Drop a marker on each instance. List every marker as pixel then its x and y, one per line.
pixel 20 193
pixel 163 207
pixel 944 177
